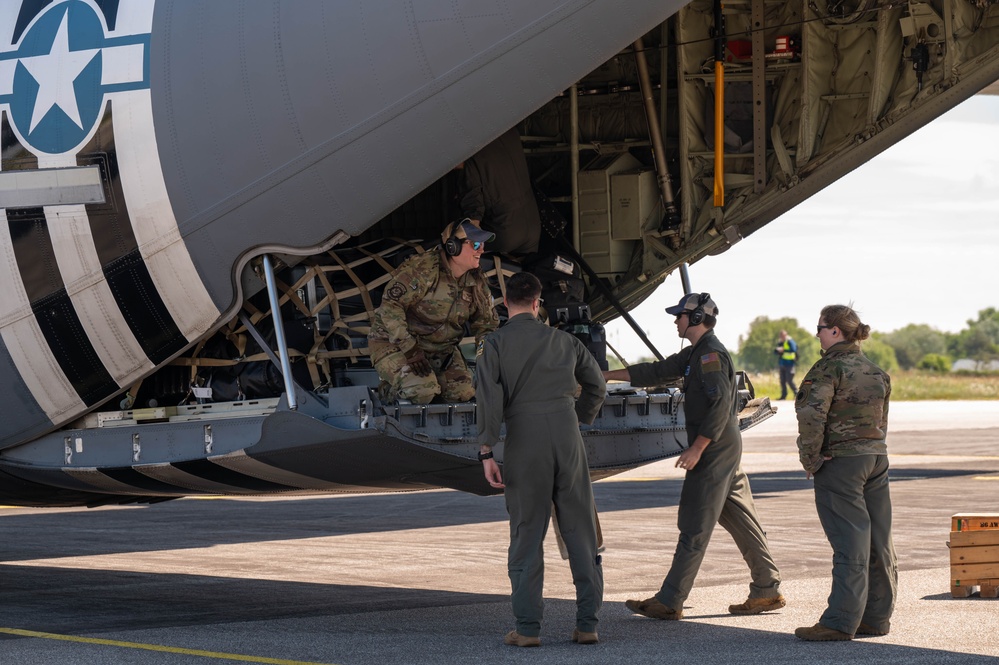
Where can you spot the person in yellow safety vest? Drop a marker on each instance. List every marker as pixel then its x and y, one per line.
pixel 787 352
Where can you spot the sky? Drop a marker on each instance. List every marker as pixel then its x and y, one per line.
pixel 912 236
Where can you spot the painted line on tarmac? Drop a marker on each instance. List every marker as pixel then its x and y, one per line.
pixel 156 647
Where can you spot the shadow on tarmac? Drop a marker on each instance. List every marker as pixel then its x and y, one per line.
pixel 120 529
pixel 80 601
pixel 360 624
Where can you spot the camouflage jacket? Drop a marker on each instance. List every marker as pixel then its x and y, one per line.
pixel 842 407
pixel 423 304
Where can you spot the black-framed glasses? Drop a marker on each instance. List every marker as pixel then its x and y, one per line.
pixel 541 301
pixel 819 329
pixel 683 313
pixel 477 245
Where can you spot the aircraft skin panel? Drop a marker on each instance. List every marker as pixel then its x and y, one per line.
pixel 331 135
pixel 29 351
pixel 155 229
pixel 112 295
pixel 100 315
pixel 93 479
pixel 171 475
pixel 242 463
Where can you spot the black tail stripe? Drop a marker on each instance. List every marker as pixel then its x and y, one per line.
pixel 133 478
pixel 13 155
pixel 220 474
pixel 117 249
pixel 53 308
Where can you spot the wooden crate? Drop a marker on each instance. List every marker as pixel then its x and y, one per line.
pixel 974 522
pixel 974 555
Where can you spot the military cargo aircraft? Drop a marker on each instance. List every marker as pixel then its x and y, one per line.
pixel 201 201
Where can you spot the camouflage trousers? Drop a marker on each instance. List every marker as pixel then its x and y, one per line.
pixel 451 378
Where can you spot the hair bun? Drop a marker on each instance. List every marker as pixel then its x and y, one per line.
pixel 863 331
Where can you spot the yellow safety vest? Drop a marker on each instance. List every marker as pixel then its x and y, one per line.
pixel 788 353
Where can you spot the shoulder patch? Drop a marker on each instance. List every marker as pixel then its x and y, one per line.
pixel 804 390
pixel 395 291
pixel 710 362
pixel 479 348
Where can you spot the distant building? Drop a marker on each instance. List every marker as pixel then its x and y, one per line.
pixel 969 365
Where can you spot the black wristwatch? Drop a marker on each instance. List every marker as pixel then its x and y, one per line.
pixel 485 456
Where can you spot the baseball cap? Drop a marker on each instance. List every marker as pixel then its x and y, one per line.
pixel 467 229
pixel 689 302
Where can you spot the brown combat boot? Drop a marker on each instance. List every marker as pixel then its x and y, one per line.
pixel 583 637
pixel 864 629
pixel 652 608
pixel 757 605
pixel 819 633
pixel 515 639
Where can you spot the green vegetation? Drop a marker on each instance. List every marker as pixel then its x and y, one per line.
pixel 756 352
pixel 907 385
pixel 918 357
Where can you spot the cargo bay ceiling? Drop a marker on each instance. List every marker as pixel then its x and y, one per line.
pixel 812 90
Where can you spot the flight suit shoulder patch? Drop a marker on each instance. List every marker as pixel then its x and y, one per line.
pixel 710 362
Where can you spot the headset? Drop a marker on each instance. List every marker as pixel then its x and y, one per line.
pixel 697 315
pixel 452 243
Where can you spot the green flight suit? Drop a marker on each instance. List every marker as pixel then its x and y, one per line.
pixel 527 375
pixel 842 410
pixel 425 306
pixel 716 490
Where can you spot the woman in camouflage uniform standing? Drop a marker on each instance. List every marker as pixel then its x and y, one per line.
pixel 842 409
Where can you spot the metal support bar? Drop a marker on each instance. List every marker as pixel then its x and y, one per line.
pixel 652 118
pixel 596 282
pixel 272 295
pixel 685 278
pixel 719 185
pixel 574 160
pixel 759 98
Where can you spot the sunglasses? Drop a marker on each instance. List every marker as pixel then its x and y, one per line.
pixel 477 245
pixel 819 329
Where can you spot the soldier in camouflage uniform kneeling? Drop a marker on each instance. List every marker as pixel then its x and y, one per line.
pixel 842 409
pixel 416 331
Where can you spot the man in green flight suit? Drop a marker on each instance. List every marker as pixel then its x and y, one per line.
pixel 415 332
pixel 715 489
pixel 527 375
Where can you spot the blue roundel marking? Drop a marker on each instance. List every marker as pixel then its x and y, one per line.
pixel 58 85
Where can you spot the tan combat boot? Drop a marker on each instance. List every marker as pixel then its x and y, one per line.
pixel 864 629
pixel 652 608
pixel 515 639
pixel 757 605
pixel 583 637
pixel 819 633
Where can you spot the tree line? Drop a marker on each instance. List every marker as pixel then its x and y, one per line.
pixel 916 346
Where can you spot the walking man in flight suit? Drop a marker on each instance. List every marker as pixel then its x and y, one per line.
pixel 527 375
pixel 715 488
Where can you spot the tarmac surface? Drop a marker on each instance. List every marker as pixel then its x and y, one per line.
pixel 421 577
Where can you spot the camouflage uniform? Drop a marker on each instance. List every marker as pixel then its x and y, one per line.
pixel 842 409
pixel 425 306
pixel 716 490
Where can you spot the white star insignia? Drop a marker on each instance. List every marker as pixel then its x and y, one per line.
pixel 55 74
